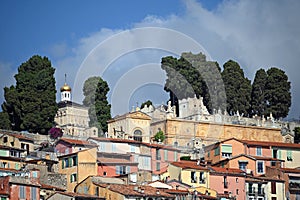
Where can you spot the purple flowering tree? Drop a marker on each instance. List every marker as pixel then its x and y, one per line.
pixel 55 133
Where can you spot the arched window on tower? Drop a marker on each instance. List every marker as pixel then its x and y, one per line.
pixel 137 135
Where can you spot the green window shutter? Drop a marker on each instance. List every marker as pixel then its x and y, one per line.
pixel 217 151
pixel 226 148
pixel 279 154
pixel 62 164
pixel 70 162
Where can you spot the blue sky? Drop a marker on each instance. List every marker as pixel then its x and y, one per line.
pixel 72 33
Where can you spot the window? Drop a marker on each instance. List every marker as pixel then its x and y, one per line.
pixel 166 155
pixel 74 161
pixel 175 156
pixel 208 154
pixel 225 182
pixel 275 153
pixel 226 150
pixel 5 139
pixel 250 188
pixel 158 154
pixel 237 191
pixel 33 193
pixel 101 146
pixel 260 167
pixel 97 191
pixel 22 192
pixel 236 180
pixel 273 187
pixel 202 178
pixel 259 189
pixel 243 165
pixel 258 151
pixel 120 170
pixel 67 164
pixel 289 156
pixel 137 135
pixel 73 177
pixel 158 166
pixel 193 177
pixel 217 151
pixel 104 173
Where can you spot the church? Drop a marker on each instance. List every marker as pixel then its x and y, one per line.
pixel 73 118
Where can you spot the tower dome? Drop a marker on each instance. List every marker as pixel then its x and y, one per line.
pixel 65 91
pixel 66 88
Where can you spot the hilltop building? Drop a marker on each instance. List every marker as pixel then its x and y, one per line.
pixel 72 117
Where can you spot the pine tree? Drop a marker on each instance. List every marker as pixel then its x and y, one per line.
pixel 31 104
pixel 258 94
pixel 237 87
pixel 278 95
pixel 95 91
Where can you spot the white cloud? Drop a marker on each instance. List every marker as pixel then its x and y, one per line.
pixel 257 34
pixel 7 78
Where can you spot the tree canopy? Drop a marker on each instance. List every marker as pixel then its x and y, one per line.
pixel 237 87
pixel 31 104
pixel 148 103
pixel 278 95
pixel 191 75
pixel 258 94
pixel 95 90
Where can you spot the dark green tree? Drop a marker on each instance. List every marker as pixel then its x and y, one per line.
pixel 159 136
pixel 237 87
pixel 148 103
pixel 297 135
pixel 258 94
pixel 278 95
pixel 95 90
pixel 31 104
pixel 4 121
pixel 192 75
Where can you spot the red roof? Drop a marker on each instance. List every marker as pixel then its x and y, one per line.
pixel 291 170
pixel 270 144
pixel 188 165
pixel 77 142
pixel 116 161
pixel 227 170
pixel 19 136
pixel 138 191
pixel 50 187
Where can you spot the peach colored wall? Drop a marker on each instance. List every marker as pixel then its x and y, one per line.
pixel 266 151
pixel 237 147
pixel 234 184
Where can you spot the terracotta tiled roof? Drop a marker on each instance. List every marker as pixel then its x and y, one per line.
pixel 188 165
pixel 227 170
pixel 174 191
pixel 19 136
pixel 12 148
pixel 72 194
pixel 50 187
pixel 267 158
pixel 271 144
pixel 291 170
pixel 77 142
pixel 115 161
pixel 133 190
pixel 4 182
